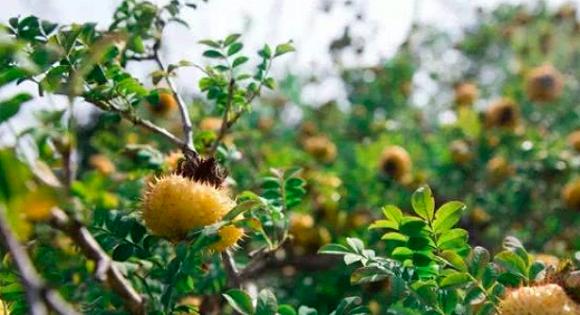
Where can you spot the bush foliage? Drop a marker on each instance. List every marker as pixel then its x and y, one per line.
pixel 163 203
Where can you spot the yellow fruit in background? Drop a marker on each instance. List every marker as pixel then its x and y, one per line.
pixel 498 169
pixel 396 162
pixel 547 260
pixel 265 124
pixel 192 301
pixel 571 195
pixel 211 124
pixel 460 152
pixel 479 216
pixel 173 205
pixel 172 160
pixel 544 84
pixel 229 237
pixel 548 299
pixel 321 148
pixel 574 140
pixel 502 113
pixel 102 164
pixel 165 103
pixel 37 204
pixel 465 93
pixel 307 237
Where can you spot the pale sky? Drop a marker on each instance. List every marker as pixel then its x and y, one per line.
pixel 274 21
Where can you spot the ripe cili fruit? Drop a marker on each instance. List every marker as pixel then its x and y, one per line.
pixel 211 124
pixel 498 169
pixel 102 164
pixel 192 197
pixel 465 93
pixel 396 163
pixel 502 113
pixel 307 237
pixel 321 148
pixel 544 84
pixel 229 237
pixel 163 103
pixel 37 204
pixel 574 140
pixel 547 299
pixel 460 152
pixel 571 195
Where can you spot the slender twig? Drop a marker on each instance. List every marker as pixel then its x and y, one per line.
pixel 231 270
pixel 106 270
pixel 225 119
pixel 185 120
pixel 39 297
pixel 144 123
pixel 227 123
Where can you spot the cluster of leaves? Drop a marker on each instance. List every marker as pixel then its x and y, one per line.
pixel 266 304
pixel 430 268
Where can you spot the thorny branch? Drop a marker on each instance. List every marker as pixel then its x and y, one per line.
pixel 39 297
pixel 106 271
pixel 144 123
pixel 185 120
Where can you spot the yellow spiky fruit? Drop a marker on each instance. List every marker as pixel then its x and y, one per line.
pixel 229 237
pixel 544 84
pixel 571 195
pixel 574 140
pixel 173 205
pixel 396 162
pixel 465 93
pixel 548 299
pixel 321 148
pixel 102 164
pixel 502 113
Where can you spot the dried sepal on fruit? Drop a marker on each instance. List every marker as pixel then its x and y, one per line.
pixel 502 113
pixel 544 84
pixel 396 163
pixel 547 299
